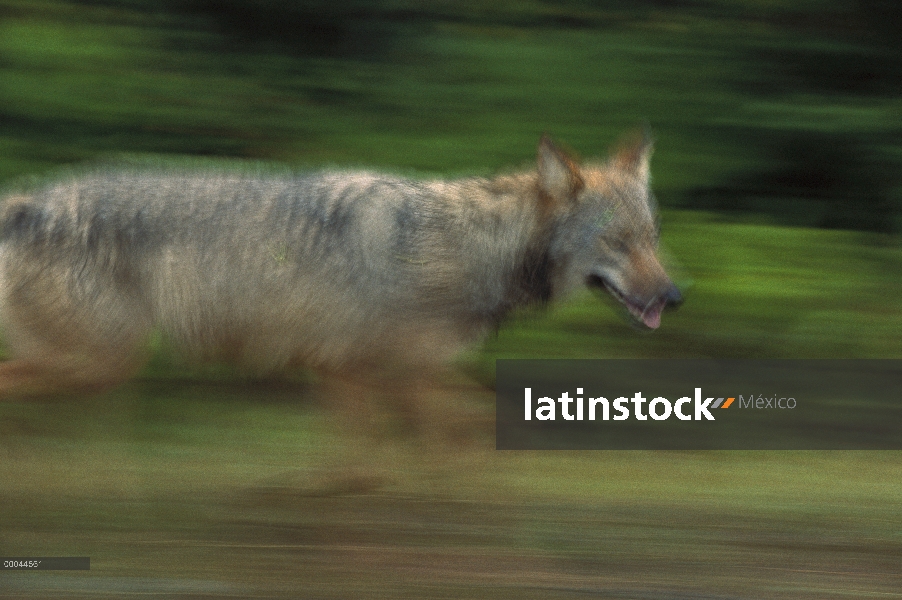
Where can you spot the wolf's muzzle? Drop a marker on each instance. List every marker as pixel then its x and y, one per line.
pixel 672 297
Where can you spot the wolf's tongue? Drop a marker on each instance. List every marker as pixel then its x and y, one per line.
pixel 652 316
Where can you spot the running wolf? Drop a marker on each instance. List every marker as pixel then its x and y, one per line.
pixel 340 272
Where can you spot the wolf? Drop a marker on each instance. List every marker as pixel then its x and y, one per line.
pixel 343 272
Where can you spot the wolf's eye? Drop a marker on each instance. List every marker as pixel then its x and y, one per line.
pixel 621 245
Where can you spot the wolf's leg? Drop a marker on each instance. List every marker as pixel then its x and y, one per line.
pixel 420 427
pixel 356 454
pixel 19 376
pixel 60 371
pixel 60 345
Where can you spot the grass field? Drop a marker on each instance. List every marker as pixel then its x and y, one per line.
pixel 192 484
pixel 188 484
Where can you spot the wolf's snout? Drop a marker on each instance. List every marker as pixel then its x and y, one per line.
pixel 672 297
pixel 650 314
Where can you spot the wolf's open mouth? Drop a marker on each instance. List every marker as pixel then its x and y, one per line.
pixel 648 314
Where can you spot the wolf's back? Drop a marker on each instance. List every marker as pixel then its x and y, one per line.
pixel 312 268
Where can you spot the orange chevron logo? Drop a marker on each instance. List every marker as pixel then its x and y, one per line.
pixel 719 403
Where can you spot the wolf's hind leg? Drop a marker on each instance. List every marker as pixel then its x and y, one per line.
pixel 56 348
pixel 53 373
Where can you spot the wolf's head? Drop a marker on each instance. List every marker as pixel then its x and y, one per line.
pixel 605 230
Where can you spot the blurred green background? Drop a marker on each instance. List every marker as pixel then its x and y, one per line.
pixel 769 116
pixel 777 166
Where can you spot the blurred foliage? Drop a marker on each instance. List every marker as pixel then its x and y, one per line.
pixel 767 113
pixel 786 109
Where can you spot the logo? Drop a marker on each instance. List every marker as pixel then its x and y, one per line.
pixel 695 404
pixel 592 409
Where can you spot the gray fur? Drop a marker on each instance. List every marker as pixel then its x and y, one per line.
pixel 332 270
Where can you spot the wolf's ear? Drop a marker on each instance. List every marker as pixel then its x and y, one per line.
pixel 558 173
pixel 634 154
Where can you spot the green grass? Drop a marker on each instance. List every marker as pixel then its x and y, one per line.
pixel 192 487
pixel 194 482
